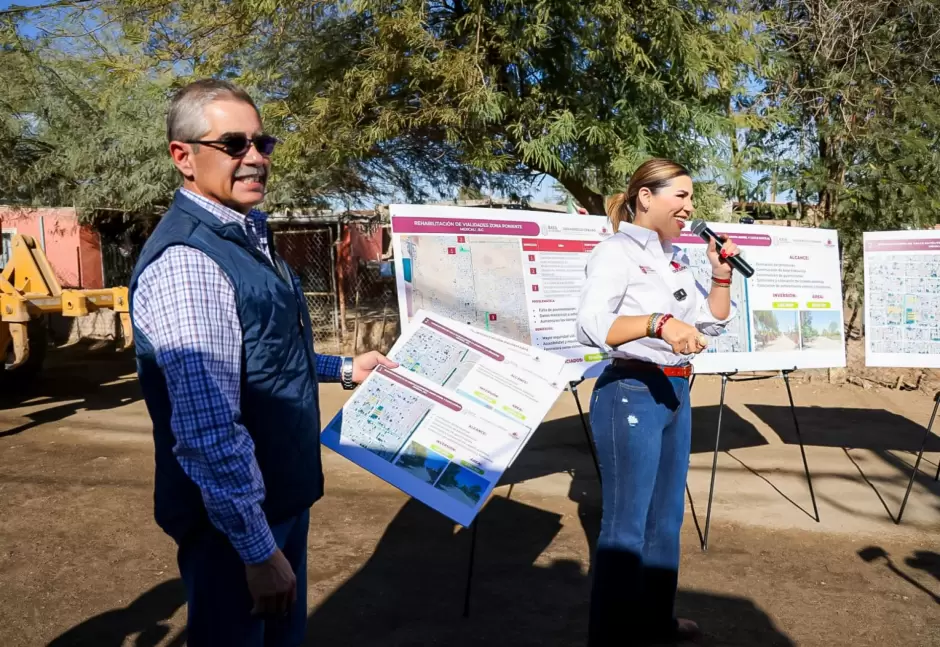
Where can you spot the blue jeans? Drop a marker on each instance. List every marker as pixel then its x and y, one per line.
pixel 220 604
pixel 642 427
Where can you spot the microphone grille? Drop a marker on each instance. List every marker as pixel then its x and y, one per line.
pixel 698 226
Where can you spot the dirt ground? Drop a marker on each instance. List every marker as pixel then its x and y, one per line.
pixel 82 563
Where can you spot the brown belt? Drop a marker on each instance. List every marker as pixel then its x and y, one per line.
pixel 636 364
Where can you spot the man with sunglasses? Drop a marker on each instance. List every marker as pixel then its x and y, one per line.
pixel 228 371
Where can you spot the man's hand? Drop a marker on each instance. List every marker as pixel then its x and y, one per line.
pixel 364 364
pixel 272 585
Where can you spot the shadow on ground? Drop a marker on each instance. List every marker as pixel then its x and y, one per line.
pixel 73 379
pixel 874 429
pixel 891 439
pixel 561 445
pixel 411 590
pixel 921 560
pixel 144 618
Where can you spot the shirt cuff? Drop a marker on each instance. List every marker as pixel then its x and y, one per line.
pixel 257 544
pixel 329 368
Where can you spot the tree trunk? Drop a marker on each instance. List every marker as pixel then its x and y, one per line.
pixel 589 199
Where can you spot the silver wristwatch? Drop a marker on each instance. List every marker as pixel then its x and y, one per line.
pixel 346 374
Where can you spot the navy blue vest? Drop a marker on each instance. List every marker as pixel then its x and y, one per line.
pixel 279 399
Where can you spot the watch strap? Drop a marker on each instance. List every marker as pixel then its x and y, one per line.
pixel 346 374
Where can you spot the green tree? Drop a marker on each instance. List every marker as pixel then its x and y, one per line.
pixel 83 113
pixel 766 321
pixel 854 91
pixel 420 97
pixel 411 98
pixel 806 327
pixel 581 91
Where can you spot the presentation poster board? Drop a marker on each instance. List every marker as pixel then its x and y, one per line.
pixel 519 275
pixel 789 312
pixel 446 423
pixel 902 298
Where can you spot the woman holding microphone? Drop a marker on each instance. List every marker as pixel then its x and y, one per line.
pixel 641 304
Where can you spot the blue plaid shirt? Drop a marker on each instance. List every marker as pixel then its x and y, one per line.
pixel 184 301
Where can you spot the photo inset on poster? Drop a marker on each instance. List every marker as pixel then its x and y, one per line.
pixel 820 330
pixel 776 331
pixel 462 485
pixel 421 462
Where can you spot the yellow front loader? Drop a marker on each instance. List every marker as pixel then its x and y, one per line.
pixel 28 291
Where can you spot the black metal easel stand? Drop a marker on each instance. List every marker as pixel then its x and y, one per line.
pixel 920 455
pixel 729 377
pixel 573 387
pixel 473 550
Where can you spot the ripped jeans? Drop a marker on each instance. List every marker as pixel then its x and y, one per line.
pixel 641 422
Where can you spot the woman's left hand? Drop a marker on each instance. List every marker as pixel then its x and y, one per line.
pixel 717 256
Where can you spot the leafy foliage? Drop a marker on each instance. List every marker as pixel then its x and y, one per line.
pixel 403 97
pixel 851 99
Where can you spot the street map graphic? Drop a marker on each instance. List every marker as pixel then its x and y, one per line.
pixel 381 416
pixel 435 356
pixel 472 279
pixel 904 304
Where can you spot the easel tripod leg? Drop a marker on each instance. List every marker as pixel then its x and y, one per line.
pixel 587 432
pixel 799 437
pixel 920 455
pixel 711 487
pixel 473 550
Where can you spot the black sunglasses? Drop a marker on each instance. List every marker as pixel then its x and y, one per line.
pixel 237 145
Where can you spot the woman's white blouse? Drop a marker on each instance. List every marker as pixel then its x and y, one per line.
pixel 634 273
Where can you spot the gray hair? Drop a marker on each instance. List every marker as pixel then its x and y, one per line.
pixel 186 118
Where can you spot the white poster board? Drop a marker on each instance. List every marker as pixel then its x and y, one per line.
pixel 449 420
pixel 519 274
pixel 789 312
pixel 902 298
pixel 513 273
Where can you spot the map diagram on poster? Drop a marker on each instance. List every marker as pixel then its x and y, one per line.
pixel 902 298
pixel 519 274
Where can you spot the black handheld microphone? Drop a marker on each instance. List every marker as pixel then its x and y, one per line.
pixel 700 229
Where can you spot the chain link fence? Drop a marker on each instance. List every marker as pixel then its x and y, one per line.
pixel 350 292
pixel 311 254
pixel 370 312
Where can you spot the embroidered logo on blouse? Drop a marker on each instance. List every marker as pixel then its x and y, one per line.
pixel 678 267
pixel 647 270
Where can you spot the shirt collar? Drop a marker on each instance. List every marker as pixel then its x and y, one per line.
pixel 644 237
pixel 223 213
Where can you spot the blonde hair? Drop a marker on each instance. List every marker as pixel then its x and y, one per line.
pixel 653 174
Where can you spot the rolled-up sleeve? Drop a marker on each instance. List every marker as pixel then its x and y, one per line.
pixel 707 323
pixel 606 282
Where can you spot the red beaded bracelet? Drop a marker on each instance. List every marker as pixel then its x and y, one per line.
pixel 662 322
